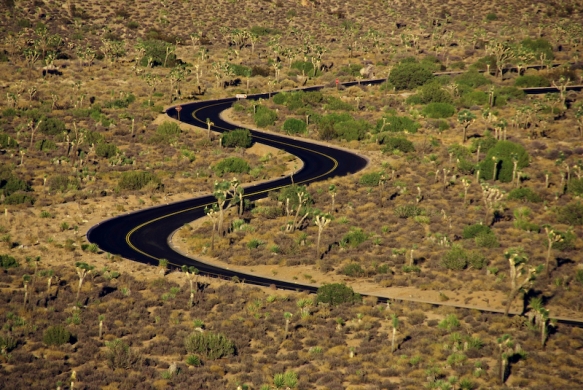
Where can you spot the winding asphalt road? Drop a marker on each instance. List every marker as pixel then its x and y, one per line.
pixel 142 236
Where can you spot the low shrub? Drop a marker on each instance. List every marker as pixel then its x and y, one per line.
pixel 438 110
pixel 455 259
pixel 353 270
pixel 486 240
pixel 394 123
pixel 136 180
pixel 120 355
pixel 294 126
pixel 19 198
pixel 371 179
pixel 504 152
pixel 264 116
pixel 52 126
pixel 575 187
pixel 213 346
pixel 166 133
pixel 231 165
pixel 106 150
pixel 63 183
pixel 397 143
pixel 472 231
pixel 531 81
pixel 354 237
pixel 7 261
pixel 7 141
pixel 56 335
pixel 409 75
pixel 336 294
pixel 352 130
pixel 44 145
pixel 524 194
pixel 408 211
pixel 239 138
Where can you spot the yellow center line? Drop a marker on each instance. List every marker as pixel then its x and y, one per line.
pixel 128 236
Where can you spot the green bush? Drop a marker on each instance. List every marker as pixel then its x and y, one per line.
pixel 262 31
pixel 394 124
pixel 120 103
pixel 486 240
pixel 7 141
pixel 7 261
pixel 438 110
pixel 352 69
pixel 106 150
pixel 305 67
pixel 354 237
pixel 12 185
pixel 294 126
pixel 505 94
pixel 19 198
pixel 456 258
pixel 45 145
pixel 326 123
pixel 473 98
pixel 504 151
pixel 486 143
pixel 408 211
pixel 575 187
pixel 433 93
pixel 539 46
pixel 166 132
pixel 571 214
pixel 371 179
pixel 466 167
pixel 213 346
pixel 93 137
pixel 231 165
pixel 264 116
pixel 476 260
pixel 567 243
pixel 52 126
pixel 120 355
pixel 472 79
pixel 56 335
pixel 240 70
pixel 63 183
pixel 336 294
pixel 156 50
pixel 240 138
pixel 409 75
pixel 524 194
pixel 334 103
pixel 291 193
pixel 352 130
pixel 136 180
pixel 397 143
pixel 353 270
pixel 491 17
pixel 280 98
pixel 472 231
pixel 531 81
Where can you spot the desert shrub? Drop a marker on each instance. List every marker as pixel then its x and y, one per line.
pixel 262 31
pixel 240 138
pixel 166 132
pixel 280 98
pixel 354 237
pixel 19 198
pixel 120 355
pixel 326 123
pixel 531 81
pixel 264 116
pixel 449 323
pixel 371 179
pixel 485 143
pixel 136 180
pixel 438 110
pixel 526 225
pixel 334 103
pixel 567 243
pixel 476 260
pixel 259 71
pixel 473 98
pixel 394 123
pixel 231 165
pixel 156 50
pixel 291 193
pixel 213 346
pixel 353 270
pixel 239 70
pixel 12 185
pixel 352 69
pixel 505 152
pixel 7 261
pixel 486 240
pixel 7 142
pixel 409 75
pixel 459 151
pixel 455 259
pixel 465 167
pixel 52 126
pixel 491 17
pixel 433 93
pixel 483 63
pixel 7 343
pixel 294 126
pixel 525 194
pixel 93 137
pixel 352 130
pixel 575 187
pixel 472 79
pixel 305 67
pixel 473 231
pixel 105 150
pixel 337 293
pixel 120 103
pixel 397 143
pixel 408 211
pixel 193 360
pixel 505 94
pixel 45 145
pixel 539 46
pixel 63 183
pixel 56 335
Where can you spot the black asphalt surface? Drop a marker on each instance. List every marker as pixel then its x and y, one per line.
pixel 142 236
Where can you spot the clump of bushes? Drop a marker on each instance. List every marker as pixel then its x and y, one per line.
pixel 240 138
pixel 457 258
pixel 408 211
pixel 438 110
pixel 105 150
pixel 531 81
pixel 294 126
pixel 524 194
pixel 136 180
pixel 472 231
pixel 52 126
pixel 63 183
pixel 354 237
pixel 394 124
pixel 56 335
pixel 157 50
pixel 353 270
pixel 575 187
pixel 166 133
pixel 231 165
pixel 397 143
pixel 505 152
pixel 7 142
pixel 371 179
pixel 44 145
pixel 351 130
pixel 409 75
pixel 571 214
pixel 336 294
pixel 120 355
pixel 264 116
pixel 7 261
pixel 213 346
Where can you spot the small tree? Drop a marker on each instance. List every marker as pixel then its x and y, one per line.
pixel 225 193
pixel 101 318
pixel 209 124
pixel 552 237
pixel 83 269
pixel 395 325
pixel 521 278
pixel 491 197
pixel 322 222
pixel 213 214
pixel 162 266
pixel 579 116
pixel 539 317
pixel 287 315
pixel 506 347
pixel 191 273
pixel 25 281
pixel 466 118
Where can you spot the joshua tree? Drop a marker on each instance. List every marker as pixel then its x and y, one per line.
pixel 466 183
pixel 395 324
pixel 304 305
pixel 25 281
pixel 579 116
pixel 213 214
pixel 301 208
pixel 176 75
pixel 507 351
pixel 83 269
pixel 492 198
pixel 162 266
pixel 539 316
pixel 503 54
pixel 101 318
pixel 287 315
pixel 190 273
pixel 466 118
pixel 322 222
pixel 552 237
pixel 562 87
pixel 33 129
pixel 209 124
pixel 225 192
pixel 332 187
pixel 521 278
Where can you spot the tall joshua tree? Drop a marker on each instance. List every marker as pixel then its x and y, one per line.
pixel 225 192
pixel 213 214
pixel 190 273
pixel 552 237
pixel 83 269
pixel 322 222
pixel 466 118
pixel 395 325
pixel 521 278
